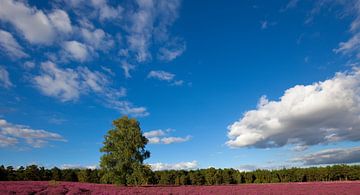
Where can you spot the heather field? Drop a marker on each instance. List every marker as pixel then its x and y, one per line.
pixel 44 187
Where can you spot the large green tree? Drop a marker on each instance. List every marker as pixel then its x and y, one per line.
pixel 124 153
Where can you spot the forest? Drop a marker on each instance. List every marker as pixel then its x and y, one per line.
pixel 209 176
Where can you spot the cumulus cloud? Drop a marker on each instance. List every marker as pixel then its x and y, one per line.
pixel 331 156
pixel 176 166
pixel 159 137
pixel 4 78
pixel 76 50
pixel 11 133
pixel 10 46
pixel 305 115
pixel 35 26
pixel 60 21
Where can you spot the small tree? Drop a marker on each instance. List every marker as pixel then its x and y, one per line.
pixel 124 153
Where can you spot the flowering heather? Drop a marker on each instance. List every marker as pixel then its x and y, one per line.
pixel 44 187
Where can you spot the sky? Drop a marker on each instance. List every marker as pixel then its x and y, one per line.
pixel 241 84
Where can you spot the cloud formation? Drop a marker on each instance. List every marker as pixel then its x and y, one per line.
pixel 305 115
pixel 159 137
pixel 11 47
pixel 71 166
pixel 34 25
pixel 176 166
pixel 11 133
pixel 56 82
pixel 68 84
pixel 129 33
pixel 331 156
pixel 161 75
pixel 76 50
pixel 4 78
pixel 164 76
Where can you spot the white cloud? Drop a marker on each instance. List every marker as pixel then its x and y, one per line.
pixel 165 76
pixel 159 137
pixel 71 166
pixel 11 133
pixel 252 167
pixel 60 83
pixel 349 46
pixel 29 65
pixel 7 141
pixel 97 38
pixel 69 84
pixel 76 50
pixel 154 140
pixel 178 83
pixel 4 78
pixel 127 68
pixel 176 166
pixel 171 140
pixel 105 11
pixel 265 24
pixel 305 115
pixel 155 133
pixel 161 75
pixel 34 24
pixel 61 21
pixel 140 30
pixel 127 108
pixel 93 80
pixel 172 50
pixel 151 21
pixel 10 46
pixel 331 156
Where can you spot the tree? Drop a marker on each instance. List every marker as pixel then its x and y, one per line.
pixel 32 173
pixel 56 174
pixel 124 153
pixel 3 173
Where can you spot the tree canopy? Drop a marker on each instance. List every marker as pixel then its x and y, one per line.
pixel 124 153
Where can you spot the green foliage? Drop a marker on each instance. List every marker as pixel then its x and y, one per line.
pixel 211 176
pixel 124 153
pixel 32 173
pixel 70 175
pixel 56 174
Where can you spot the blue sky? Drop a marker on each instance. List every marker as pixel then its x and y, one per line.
pixel 242 84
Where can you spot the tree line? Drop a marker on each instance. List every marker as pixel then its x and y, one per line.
pixel 122 163
pixel 209 176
